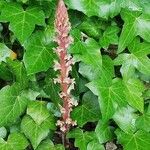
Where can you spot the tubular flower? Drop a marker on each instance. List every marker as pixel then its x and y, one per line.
pixel 64 66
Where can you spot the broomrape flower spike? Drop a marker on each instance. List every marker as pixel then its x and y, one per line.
pixel 64 66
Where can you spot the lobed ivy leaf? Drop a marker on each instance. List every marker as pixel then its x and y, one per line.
pixel 39 112
pixel 103 8
pixel 111 95
pixel 133 91
pixel 35 132
pixel 125 118
pixel 19 72
pixel 14 141
pixel 133 26
pixel 89 110
pixel 38 56
pixel 81 138
pixel 143 121
pixel 103 132
pixel 22 22
pixel 109 37
pixel 95 145
pixel 48 145
pixel 139 140
pixel 10 101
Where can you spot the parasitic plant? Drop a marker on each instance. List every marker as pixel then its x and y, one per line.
pixel 64 66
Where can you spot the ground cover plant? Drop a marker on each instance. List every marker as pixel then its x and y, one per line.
pixel 74 75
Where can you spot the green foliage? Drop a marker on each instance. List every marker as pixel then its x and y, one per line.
pixel 111 50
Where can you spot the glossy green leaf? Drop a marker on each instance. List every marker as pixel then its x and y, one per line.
pixel 133 91
pixel 81 138
pixel 10 101
pixel 18 70
pixel 39 112
pixel 135 24
pixel 94 145
pixel 125 118
pixel 38 56
pixel 139 140
pixel 143 121
pixel 109 37
pixel 103 8
pixel 34 132
pixel 103 132
pixel 89 110
pixel 22 22
pixel 14 141
pixel 48 145
pixel 111 95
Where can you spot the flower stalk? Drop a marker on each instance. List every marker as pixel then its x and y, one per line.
pixel 64 66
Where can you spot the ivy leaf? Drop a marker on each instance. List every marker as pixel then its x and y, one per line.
pixel 81 138
pixel 15 141
pixel 143 121
pixel 19 71
pixel 10 101
pixel 52 89
pixel 133 26
pixel 133 91
pixel 5 52
pixel 103 132
pixel 22 22
pixel 5 73
pixel 132 5
pixel 89 110
pixel 139 140
pixel 94 145
pixel 90 54
pixel 48 145
pixel 38 112
pixel 94 27
pixel 101 8
pixel 34 132
pixel 111 95
pixel 109 37
pixel 125 118
pixel 137 59
pixel 38 56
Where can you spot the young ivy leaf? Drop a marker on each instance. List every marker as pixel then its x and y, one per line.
pixel 19 72
pixel 12 104
pixel 39 112
pixel 125 118
pixel 133 26
pixel 38 56
pixel 35 132
pixel 101 8
pixel 95 145
pixel 109 37
pixel 139 140
pixel 143 121
pixel 81 138
pixel 48 145
pixel 15 141
pixel 89 110
pixel 111 95
pixel 133 89
pixel 136 59
pixel 22 22
pixel 103 132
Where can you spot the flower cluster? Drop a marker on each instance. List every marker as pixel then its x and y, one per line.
pixel 64 66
